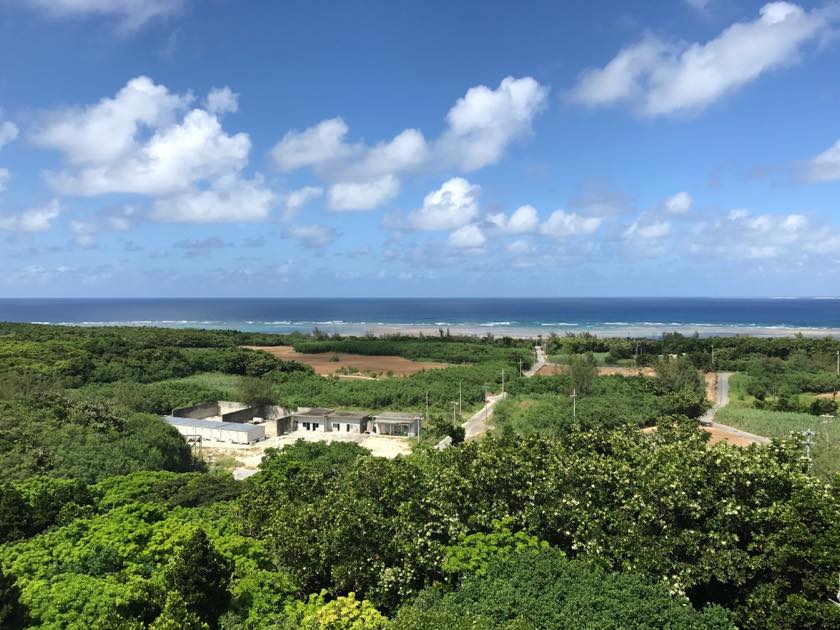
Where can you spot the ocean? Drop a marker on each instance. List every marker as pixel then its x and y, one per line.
pixel 498 316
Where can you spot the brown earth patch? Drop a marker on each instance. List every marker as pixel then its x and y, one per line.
pixel 325 365
pixel 717 435
pixel 711 386
pixel 828 396
pixel 552 369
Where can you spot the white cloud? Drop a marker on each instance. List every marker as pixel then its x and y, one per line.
pixel 312 147
pixel 230 200
pixel 108 131
pixel 451 206
pixel 145 141
pixel 467 237
pixel 365 195
pixel 648 231
pixel 312 235
pixel 5 176
pixel 520 247
pixel 297 199
pixel 222 101
pixel 8 133
pixel 679 203
pixel 84 233
pixel 562 224
pixel 826 166
pixel 666 78
pixel 524 220
pixel 171 161
pixel 130 14
pixel 36 219
pixel 484 122
pixel 480 126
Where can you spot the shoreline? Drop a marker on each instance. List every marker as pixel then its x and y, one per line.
pixel 497 329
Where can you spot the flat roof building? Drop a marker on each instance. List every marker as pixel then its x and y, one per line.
pixel 348 422
pixel 216 431
pixel 396 423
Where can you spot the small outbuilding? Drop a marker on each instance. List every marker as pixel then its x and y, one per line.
pixel 348 422
pixel 395 423
pixel 311 419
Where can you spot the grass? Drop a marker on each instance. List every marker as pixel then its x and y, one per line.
pixel 213 380
pixel 779 424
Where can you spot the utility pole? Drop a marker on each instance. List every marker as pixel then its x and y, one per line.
pixel 486 402
pixel 454 405
pixel 713 357
pixel 460 397
pixel 520 367
pixel 503 382
pixel 574 405
pixel 809 442
pixel 427 407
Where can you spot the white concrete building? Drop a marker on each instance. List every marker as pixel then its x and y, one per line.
pixel 216 431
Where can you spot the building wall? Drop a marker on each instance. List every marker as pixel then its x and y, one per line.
pixel 206 410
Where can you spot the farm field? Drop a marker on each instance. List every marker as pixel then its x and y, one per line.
pixel 779 424
pixel 326 364
pixel 553 369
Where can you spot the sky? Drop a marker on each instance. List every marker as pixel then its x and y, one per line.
pixel 188 148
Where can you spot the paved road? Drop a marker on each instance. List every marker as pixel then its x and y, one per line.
pixel 708 418
pixel 541 361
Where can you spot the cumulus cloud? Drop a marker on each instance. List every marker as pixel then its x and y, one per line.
pixel 467 237
pixel 84 233
pixel 484 122
pixel 648 231
pixel 364 195
pixel 296 200
pixel 562 224
pixel 222 101
pixel 146 141
pixel 664 78
pixel 8 133
pixel 451 206
pixel 230 200
pixel 36 219
pixel 679 203
pixel 524 220
pixel 480 127
pixel 5 176
pixel 129 14
pixel 825 167
pixel 312 235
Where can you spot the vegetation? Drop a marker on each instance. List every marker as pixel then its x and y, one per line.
pixel 551 522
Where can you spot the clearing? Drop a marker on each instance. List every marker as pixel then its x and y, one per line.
pixel 245 459
pixel 329 363
pixel 552 369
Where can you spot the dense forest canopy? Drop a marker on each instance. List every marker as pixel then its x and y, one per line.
pixel 560 518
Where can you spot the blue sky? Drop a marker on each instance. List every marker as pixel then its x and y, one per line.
pixel 202 148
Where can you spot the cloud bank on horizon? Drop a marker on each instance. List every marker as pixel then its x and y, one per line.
pixel 659 160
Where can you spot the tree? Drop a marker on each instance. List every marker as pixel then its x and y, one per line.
pixel 201 576
pixel 257 391
pixel 177 616
pixel 582 371
pixel 678 374
pixel 342 613
pixel 15 514
pixel 12 612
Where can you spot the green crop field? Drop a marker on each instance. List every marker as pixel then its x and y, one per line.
pixel 779 424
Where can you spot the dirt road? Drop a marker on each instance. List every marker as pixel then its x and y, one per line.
pixel 721 431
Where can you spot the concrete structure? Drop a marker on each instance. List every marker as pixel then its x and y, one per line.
pixel 214 430
pixel 274 419
pixel 311 419
pixel 400 424
pixel 348 422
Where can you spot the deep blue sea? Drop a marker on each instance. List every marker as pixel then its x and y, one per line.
pixel 529 316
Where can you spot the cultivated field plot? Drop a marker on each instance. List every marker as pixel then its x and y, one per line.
pixel 329 363
pixel 553 369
